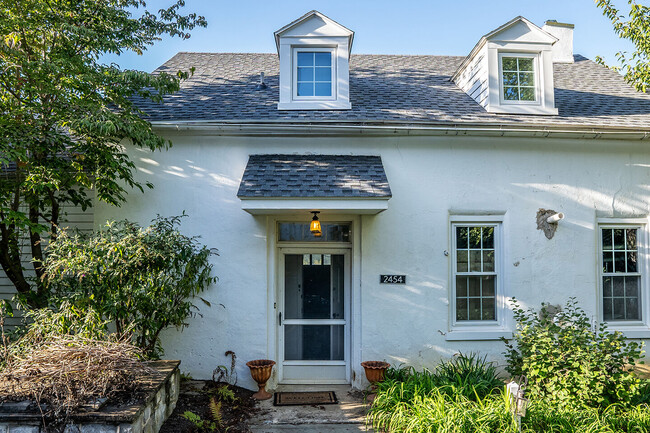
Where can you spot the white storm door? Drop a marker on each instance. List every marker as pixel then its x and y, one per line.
pixel 313 317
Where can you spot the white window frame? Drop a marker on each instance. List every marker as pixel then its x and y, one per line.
pixel 479 329
pixel 536 71
pixel 631 328
pixel 294 73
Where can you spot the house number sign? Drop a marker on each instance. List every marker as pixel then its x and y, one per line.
pixel 392 279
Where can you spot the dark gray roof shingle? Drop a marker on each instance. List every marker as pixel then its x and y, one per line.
pixel 314 176
pixel 390 88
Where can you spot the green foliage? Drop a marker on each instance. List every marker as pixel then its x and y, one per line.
pixel 141 279
pixel 469 376
pixel 224 393
pixel 202 425
pixel 64 115
pixel 406 407
pixel 635 66
pixel 215 411
pixel 567 361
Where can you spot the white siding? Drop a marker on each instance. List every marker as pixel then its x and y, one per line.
pixel 71 217
pixel 474 78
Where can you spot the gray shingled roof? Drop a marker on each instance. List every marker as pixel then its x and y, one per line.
pixel 391 88
pixel 314 176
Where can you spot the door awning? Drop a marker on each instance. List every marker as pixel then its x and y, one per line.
pixel 333 183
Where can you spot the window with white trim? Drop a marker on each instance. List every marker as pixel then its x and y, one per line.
pixel 621 273
pixel 314 73
pixel 475 275
pixel 518 73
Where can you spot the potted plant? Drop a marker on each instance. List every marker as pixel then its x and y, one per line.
pixel 261 372
pixel 375 370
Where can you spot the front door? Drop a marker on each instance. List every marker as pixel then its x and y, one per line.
pixel 313 316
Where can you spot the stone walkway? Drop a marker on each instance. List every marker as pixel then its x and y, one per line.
pixel 346 417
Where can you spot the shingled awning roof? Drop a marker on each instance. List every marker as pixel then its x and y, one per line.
pixel 350 183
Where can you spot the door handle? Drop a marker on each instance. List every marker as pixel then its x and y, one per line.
pixel 280 318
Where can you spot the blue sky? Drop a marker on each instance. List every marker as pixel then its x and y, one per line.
pixel 450 27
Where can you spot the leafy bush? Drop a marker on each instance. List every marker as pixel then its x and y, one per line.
pixel 141 279
pixel 568 361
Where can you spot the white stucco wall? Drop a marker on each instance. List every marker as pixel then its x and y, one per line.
pixel 430 177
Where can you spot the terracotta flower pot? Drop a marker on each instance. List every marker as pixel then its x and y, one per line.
pixel 261 372
pixel 375 370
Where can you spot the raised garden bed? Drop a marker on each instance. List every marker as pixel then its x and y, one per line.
pixel 142 412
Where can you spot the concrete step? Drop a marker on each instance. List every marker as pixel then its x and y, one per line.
pixel 310 428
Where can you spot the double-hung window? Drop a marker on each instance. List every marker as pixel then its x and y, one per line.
pixel 475 272
pixel 518 78
pixel 314 74
pixel 621 272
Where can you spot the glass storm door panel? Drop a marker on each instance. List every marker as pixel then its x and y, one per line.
pixel 313 317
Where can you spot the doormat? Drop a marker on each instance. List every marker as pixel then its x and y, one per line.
pixel 300 398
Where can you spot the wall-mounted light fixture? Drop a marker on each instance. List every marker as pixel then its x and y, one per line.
pixel 314 227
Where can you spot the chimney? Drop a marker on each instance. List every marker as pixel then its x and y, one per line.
pixel 563 48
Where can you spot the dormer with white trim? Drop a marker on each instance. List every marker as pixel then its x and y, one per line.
pixel 314 56
pixel 510 70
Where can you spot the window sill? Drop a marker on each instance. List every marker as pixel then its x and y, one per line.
pixel 521 109
pixel 630 331
pixel 314 105
pixel 477 334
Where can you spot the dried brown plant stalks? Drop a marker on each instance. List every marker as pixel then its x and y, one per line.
pixel 65 373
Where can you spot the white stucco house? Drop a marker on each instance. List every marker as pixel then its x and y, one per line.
pixel 428 173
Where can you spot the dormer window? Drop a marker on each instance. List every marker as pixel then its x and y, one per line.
pixel 518 78
pixel 314 64
pixel 510 70
pixel 314 73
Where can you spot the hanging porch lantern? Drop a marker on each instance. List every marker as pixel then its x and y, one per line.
pixel 314 227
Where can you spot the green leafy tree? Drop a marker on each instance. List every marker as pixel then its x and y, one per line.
pixel 634 66
pixel 64 114
pixel 140 279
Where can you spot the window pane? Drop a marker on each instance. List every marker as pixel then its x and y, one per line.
pixel 305 59
pixel 475 260
pixel 510 93
pixel 618 308
pixel 509 63
pixel 323 74
pixel 488 237
pixel 632 309
pixel 461 237
pixel 527 94
pixel 608 261
pixel 488 286
pixel 618 286
pixel 474 286
pixel 305 89
pixel 607 309
pixel 461 261
pixel 619 239
pixel 489 310
pixel 607 239
pixel 632 287
pixel 461 309
pixel 314 342
pixel 619 261
pixel 488 261
pixel 607 287
pixel 474 312
pixel 527 79
pixel 305 74
pixel 323 59
pixel 525 64
pixel 323 89
pixel 510 78
pixel 316 259
pixel 461 286
pixel 475 237
pixel 631 239
pixel 631 261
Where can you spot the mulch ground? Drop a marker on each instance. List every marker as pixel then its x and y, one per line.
pixel 195 397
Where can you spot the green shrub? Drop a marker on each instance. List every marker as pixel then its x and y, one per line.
pixel 141 279
pixel 568 361
pixel 470 375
